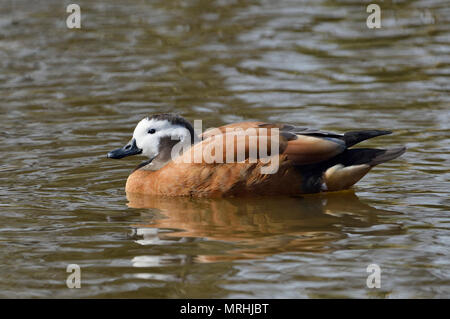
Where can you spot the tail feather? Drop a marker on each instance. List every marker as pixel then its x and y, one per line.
pixel 354 137
pixel 370 156
pixel 387 155
pixel 350 166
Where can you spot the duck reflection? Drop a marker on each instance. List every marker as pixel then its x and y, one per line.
pixel 257 227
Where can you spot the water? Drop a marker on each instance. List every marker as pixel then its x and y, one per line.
pixel 70 96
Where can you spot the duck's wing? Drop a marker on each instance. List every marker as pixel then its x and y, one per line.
pixel 285 128
pixel 301 145
pixel 233 146
pixel 309 146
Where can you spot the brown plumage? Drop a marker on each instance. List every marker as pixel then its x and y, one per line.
pixel 309 161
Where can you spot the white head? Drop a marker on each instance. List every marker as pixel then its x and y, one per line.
pixel 155 136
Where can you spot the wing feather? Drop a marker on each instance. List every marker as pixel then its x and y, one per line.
pixel 301 145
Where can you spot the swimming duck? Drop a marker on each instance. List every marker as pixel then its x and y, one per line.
pixel 307 160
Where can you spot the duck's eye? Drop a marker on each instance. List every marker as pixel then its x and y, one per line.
pixel 151 131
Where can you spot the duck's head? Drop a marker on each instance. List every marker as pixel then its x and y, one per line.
pixel 154 137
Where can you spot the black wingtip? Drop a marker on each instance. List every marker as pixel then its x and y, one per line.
pixel 355 137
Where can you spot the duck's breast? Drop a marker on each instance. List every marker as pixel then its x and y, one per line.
pixel 216 180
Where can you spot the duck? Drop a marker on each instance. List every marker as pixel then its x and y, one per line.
pixel 250 158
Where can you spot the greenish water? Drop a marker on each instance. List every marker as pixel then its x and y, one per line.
pixel 67 97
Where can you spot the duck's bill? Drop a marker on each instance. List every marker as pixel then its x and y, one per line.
pixel 128 150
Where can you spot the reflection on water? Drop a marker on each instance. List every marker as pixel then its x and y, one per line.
pixel 67 97
pixel 259 227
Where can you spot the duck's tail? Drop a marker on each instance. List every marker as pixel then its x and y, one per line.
pixel 350 166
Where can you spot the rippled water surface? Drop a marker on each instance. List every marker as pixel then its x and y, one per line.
pixel 67 97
